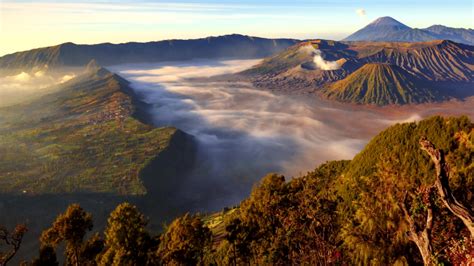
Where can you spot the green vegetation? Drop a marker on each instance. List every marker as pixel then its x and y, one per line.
pixel 380 84
pixel 126 239
pixel 84 137
pixel 385 207
pixel 70 228
pixel 185 242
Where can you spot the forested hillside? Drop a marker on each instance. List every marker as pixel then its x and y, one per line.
pixel 407 198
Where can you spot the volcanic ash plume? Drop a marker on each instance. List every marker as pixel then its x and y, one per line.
pixel 323 64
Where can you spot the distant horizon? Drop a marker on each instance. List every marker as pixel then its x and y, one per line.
pixel 28 25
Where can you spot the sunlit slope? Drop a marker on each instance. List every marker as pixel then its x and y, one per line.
pixel 358 207
pixel 395 72
pixel 377 83
pixel 86 137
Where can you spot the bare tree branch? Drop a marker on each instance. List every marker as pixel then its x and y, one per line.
pixel 12 239
pixel 442 185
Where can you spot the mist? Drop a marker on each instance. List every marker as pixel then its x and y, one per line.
pixel 244 133
pixel 25 86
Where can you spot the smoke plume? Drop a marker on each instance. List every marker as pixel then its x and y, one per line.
pixel 323 64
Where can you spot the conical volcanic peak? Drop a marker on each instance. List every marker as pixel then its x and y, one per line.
pixel 380 84
pixel 388 21
pixel 388 29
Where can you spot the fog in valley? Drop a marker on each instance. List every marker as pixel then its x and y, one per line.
pixel 244 133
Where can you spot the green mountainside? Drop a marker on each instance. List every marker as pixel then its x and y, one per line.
pixel 351 212
pixel 387 206
pixel 87 136
pixel 377 83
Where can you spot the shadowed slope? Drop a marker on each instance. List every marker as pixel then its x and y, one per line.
pixel 70 54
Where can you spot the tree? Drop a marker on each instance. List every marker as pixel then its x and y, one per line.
pixel 71 228
pixel 185 241
pixel 126 240
pixel 13 240
pixel 442 184
pixel 421 237
pixel 47 257
pixel 240 236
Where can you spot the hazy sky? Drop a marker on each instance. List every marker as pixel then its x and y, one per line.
pixel 29 24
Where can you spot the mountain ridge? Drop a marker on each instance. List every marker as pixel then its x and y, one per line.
pixel 438 63
pixel 76 55
pixel 391 30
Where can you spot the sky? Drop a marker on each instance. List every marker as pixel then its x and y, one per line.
pixel 31 24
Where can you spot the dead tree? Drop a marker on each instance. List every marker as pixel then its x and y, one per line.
pixel 13 240
pixel 442 185
pixel 421 238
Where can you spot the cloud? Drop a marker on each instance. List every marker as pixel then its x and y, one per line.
pixel 244 133
pixel 361 12
pixel 24 86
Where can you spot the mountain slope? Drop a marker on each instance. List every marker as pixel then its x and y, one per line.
pixel 311 65
pixel 84 137
pixel 454 34
pixel 70 54
pixel 387 29
pixel 435 61
pixel 379 29
pixel 355 207
pixel 376 83
pixel 294 68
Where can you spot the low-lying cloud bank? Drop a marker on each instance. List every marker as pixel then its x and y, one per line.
pixel 20 87
pixel 244 133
